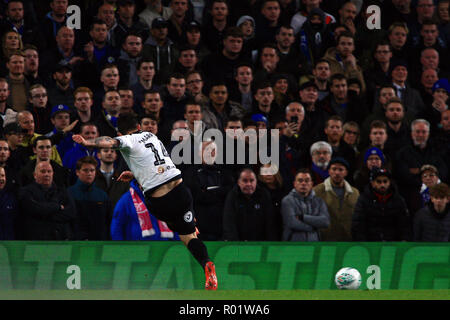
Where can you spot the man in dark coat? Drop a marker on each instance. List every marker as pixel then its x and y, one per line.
pixel 381 213
pixel 47 212
pixel 248 213
pixel 412 157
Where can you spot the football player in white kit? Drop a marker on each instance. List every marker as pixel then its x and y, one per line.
pixel 167 198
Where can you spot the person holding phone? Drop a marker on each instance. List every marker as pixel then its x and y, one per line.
pixel 294 134
pixel 296 127
pixel 295 114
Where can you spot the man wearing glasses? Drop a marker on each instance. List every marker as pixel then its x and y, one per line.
pixel 194 86
pixel 40 108
pixel 430 177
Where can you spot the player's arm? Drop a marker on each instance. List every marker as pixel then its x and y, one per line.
pixel 100 142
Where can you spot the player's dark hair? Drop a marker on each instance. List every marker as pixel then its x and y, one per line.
pixel 127 122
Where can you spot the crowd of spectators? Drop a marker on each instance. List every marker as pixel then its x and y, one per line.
pixel 362 114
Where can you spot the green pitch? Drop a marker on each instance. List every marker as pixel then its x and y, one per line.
pixel 225 295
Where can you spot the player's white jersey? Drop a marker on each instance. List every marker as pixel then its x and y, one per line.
pixel 148 159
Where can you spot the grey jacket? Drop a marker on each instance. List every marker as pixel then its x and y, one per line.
pixel 315 217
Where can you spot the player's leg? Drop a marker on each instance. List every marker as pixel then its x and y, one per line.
pixel 194 244
pixel 176 208
pixel 200 253
pixel 196 247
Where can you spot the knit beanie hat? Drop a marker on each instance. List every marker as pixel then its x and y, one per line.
pixel 374 151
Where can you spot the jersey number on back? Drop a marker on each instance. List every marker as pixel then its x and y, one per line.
pixel 158 161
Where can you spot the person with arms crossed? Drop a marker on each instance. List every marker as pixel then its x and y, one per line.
pixel 165 193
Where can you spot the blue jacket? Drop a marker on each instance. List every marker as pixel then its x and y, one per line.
pixel 73 155
pixel 125 223
pixel 94 211
pixel 65 143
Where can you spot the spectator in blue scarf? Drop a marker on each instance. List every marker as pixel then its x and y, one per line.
pixel 321 153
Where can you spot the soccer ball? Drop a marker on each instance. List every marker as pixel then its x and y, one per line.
pixel 348 278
